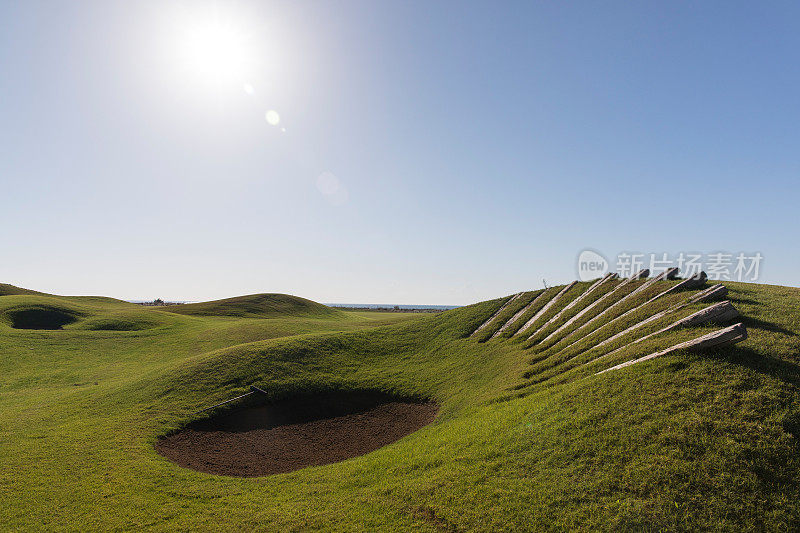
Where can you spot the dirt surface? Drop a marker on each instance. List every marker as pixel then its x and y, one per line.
pixel 290 435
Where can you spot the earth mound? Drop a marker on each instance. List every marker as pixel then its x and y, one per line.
pixel 268 305
pixel 295 433
pixel 121 322
pixel 11 290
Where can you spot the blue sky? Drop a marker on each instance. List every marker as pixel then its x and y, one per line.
pixel 476 147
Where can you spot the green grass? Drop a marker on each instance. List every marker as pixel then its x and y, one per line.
pixel 522 442
pixel 258 306
pixel 8 290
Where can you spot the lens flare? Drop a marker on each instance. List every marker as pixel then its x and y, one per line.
pixel 332 189
pixel 328 183
pixel 272 117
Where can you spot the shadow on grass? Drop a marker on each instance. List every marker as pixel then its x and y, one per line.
pixel 755 323
pixel 785 371
pixel 747 301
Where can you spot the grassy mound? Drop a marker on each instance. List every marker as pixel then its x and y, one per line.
pixel 88 313
pixel 126 321
pixel 527 437
pixel 258 306
pixel 11 290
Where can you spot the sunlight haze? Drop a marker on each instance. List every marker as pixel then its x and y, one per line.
pixel 410 153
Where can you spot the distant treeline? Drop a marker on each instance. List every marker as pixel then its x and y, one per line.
pixel 395 309
pixel 158 302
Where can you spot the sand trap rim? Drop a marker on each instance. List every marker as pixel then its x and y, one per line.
pixel 271 397
pixel 297 431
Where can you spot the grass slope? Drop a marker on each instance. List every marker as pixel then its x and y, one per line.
pixel 10 290
pixel 687 441
pixel 258 306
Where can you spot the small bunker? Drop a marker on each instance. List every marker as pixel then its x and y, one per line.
pixel 40 317
pixel 295 433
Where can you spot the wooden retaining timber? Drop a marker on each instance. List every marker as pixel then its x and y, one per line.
pixel 547 306
pixel 721 313
pixel 687 284
pixel 694 282
pixel 712 293
pixel 716 314
pixel 494 316
pixel 558 348
pixel 667 274
pixel 588 292
pixel 717 339
pixel 639 275
pixel 511 321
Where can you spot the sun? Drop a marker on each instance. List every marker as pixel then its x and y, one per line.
pixel 215 49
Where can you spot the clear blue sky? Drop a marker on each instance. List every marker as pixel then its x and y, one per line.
pixel 477 147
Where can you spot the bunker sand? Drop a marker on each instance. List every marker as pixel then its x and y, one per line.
pixel 293 434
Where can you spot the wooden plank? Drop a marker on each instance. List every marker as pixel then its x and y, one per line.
pixel 707 295
pixel 588 292
pixel 717 339
pixel 694 282
pixel 494 316
pixel 667 274
pixel 687 284
pixel 660 315
pixel 513 319
pixel 711 294
pixel 720 313
pixel 639 275
pixel 547 306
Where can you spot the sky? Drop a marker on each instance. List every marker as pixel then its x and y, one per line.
pixel 389 152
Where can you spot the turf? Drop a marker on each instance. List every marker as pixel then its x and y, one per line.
pixel 8 290
pixel 521 442
pixel 258 306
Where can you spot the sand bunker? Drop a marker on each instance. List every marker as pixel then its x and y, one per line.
pixel 292 434
pixel 40 317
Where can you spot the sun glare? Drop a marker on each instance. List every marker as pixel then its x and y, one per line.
pixel 215 50
pixel 217 53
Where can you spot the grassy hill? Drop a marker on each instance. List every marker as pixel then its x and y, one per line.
pixel 9 290
pixel 258 306
pixel 528 436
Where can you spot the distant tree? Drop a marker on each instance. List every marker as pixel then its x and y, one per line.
pixel 158 301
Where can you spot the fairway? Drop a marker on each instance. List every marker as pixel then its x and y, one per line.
pixel 527 436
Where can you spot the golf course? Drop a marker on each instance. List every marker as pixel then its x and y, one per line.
pixel 435 422
pixel 399 266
